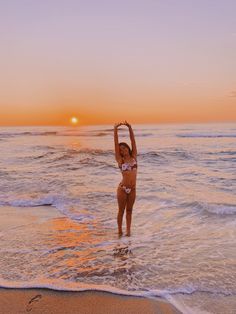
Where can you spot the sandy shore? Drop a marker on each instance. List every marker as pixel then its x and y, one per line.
pixel 44 301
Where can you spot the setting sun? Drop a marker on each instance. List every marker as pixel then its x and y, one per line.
pixel 74 120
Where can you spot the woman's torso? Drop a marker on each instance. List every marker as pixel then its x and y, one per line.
pixel 129 172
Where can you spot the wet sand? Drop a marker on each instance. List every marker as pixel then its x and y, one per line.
pixel 45 301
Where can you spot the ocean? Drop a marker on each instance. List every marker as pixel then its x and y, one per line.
pixel 58 213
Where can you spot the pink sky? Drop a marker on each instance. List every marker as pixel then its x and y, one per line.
pixel 102 61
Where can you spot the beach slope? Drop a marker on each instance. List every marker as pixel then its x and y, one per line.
pixel 39 301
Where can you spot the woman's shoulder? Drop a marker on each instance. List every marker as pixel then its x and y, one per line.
pixel 119 160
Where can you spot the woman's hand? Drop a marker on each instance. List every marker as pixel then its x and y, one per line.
pixel 127 124
pixel 117 125
pixel 122 123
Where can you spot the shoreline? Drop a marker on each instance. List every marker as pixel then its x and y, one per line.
pixel 43 300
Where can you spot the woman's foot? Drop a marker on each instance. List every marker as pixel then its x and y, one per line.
pixel 128 234
pixel 120 233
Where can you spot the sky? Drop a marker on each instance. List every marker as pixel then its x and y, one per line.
pixel 102 61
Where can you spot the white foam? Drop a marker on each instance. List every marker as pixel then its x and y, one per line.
pixel 202 135
pixel 67 206
pixel 75 286
pixel 183 308
pixel 79 287
pixel 31 202
pixel 214 208
pixel 221 209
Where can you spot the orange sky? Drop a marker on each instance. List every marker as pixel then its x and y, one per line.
pixel 106 108
pixel 152 62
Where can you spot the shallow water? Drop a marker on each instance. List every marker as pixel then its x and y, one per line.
pixel 183 234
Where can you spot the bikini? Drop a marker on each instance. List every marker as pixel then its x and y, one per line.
pixel 128 166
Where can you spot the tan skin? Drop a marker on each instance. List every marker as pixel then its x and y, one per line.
pixel 125 200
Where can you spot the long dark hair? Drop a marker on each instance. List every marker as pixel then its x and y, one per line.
pixel 127 146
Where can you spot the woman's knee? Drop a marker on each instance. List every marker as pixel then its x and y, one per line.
pixel 130 203
pixel 121 211
pixel 129 210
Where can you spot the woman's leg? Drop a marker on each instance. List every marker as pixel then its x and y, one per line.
pixel 122 199
pixel 129 208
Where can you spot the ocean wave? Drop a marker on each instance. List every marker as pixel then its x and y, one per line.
pixel 69 206
pixel 90 152
pixel 151 154
pixel 221 209
pixel 77 132
pixel 143 134
pixel 90 155
pixel 93 151
pixel 224 155
pixel 191 289
pixel 34 133
pixel 213 208
pixel 60 201
pixel 181 154
pixel 199 135
pixel 43 155
pixel 31 202
pixel 60 285
pixel 226 152
pixel 83 134
pixel 33 157
pixel 44 147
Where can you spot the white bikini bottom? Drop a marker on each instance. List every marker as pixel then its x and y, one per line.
pixel 126 189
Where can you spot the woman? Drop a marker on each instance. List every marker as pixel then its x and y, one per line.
pixel 126 191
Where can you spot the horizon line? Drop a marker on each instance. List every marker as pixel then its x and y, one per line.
pixel 100 124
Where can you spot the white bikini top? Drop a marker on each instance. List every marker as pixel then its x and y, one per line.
pixel 128 166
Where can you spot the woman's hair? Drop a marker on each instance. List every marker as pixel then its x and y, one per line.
pixel 127 146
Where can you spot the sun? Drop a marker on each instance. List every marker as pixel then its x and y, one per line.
pixel 74 120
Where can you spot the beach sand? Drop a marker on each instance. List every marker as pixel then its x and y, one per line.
pixel 45 301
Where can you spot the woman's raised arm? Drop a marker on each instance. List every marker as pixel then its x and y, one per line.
pixel 116 142
pixel 132 139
